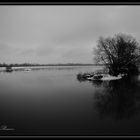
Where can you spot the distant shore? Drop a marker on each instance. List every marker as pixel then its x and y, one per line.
pixel 61 64
pixel 31 65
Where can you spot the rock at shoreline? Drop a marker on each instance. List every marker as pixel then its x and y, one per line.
pixel 103 77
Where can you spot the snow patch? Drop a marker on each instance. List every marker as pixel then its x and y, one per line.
pixel 111 77
pixel 107 77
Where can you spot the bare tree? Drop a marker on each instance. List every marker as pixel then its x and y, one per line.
pixel 120 53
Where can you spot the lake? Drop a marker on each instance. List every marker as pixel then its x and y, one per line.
pixel 53 102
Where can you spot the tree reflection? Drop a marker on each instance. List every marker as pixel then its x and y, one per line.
pixel 118 99
pixel 97 83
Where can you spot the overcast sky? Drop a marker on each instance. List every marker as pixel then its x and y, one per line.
pixel 61 34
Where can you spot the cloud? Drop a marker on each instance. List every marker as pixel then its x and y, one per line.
pixel 27 52
pixel 61 33
pixel 45 50
pixel 6 49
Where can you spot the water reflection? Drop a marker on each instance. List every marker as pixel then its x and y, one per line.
pixel 118 99
pixel 97 83
pixel 50 68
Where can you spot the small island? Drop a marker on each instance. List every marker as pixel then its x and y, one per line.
pixel 119 54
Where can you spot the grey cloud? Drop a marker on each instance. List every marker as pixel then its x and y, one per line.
pixel 6 49
pixel 27 52
pixel 83 54
pixel 61 33
pixel 45 50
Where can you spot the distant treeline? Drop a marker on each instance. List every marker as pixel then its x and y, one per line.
pixel 30 64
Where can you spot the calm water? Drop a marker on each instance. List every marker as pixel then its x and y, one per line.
pixel 54 102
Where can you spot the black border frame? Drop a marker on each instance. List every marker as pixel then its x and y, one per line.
pixel 95 3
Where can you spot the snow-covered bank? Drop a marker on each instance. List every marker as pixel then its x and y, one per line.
pixel 106 77
pixel 109 77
